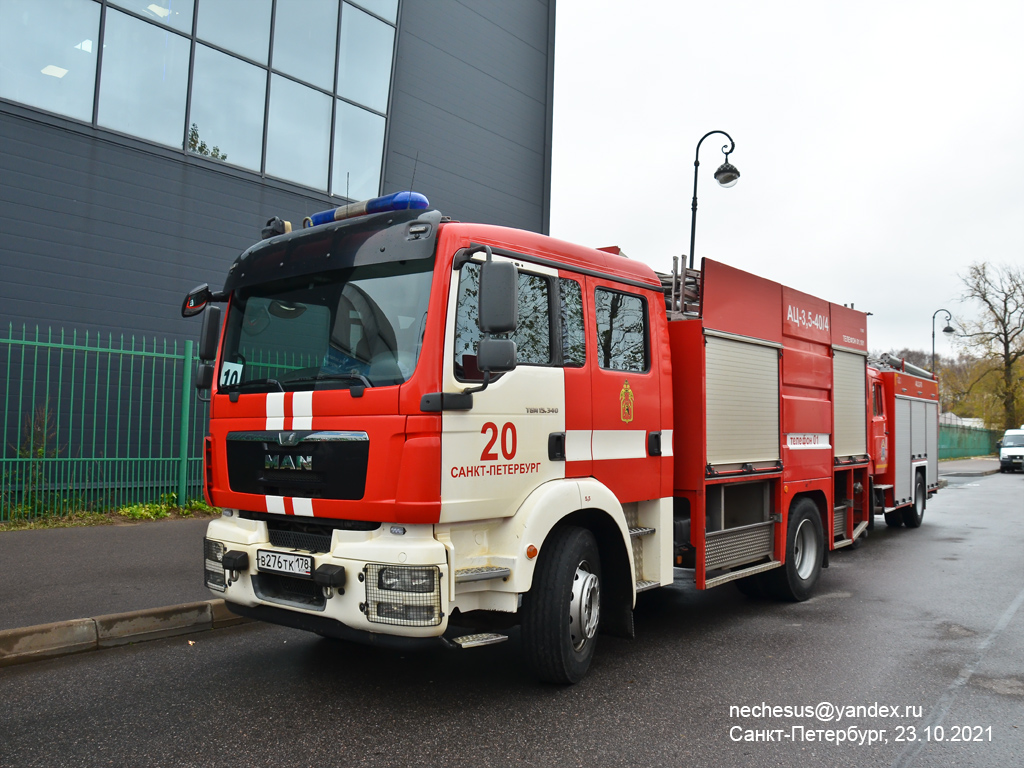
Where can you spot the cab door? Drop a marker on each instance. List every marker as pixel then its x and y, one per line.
pixel 626 444
pixel 494 454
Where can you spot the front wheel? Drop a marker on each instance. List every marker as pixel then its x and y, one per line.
pixel 914 514
pixel 562 611
pixel 805 547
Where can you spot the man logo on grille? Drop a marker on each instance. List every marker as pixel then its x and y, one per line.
pixel 274 461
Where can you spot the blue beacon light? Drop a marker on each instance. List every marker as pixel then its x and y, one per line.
pixel 396 201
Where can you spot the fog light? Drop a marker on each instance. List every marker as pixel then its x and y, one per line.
pixel 400 612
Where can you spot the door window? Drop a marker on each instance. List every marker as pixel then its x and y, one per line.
pixel 621 331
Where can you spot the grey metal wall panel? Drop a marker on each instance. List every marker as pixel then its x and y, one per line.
pixel 901 450
pixel 849 403
pixel 472 101
pixel 742 402
pixel 108 237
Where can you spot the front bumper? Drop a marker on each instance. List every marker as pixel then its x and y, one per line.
pixel 368 608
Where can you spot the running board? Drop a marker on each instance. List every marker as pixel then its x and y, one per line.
pixel 643 586
pixel 733 575
pixel 481 573
pixel 475 641
pixel 635 532
pixel 861 527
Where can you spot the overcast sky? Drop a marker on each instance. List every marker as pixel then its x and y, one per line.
pixel 881 143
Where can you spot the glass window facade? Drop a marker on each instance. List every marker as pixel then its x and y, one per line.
pixel 145 79
pixel 48 54
pixel 295 89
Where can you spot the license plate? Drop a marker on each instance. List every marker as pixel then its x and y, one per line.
pixel 284 562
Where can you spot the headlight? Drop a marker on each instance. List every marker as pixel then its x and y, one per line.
pixel 404 579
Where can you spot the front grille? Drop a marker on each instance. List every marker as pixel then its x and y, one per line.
pixel 309 542
pixel 308 535
pixel 275 588
pixel 307 464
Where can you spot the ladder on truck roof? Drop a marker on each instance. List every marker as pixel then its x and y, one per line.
pixel 682 291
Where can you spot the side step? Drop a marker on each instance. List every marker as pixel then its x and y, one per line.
pixel 636 532
pixel 481 573
pixel 643 586
pixel 733 575
pixel 475 641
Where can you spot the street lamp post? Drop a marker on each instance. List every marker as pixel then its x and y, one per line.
pixel 948 330
pixel 727 175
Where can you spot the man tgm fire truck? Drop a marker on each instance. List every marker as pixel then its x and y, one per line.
pixel 429 431
pixel 904 435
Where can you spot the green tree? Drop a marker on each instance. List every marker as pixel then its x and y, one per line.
pixel 198 147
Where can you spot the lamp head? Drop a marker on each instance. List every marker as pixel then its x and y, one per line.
pixel 727 174
pixel 949 330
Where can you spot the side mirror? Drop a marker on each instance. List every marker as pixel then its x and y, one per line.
pixel 999 444
pixel 495 355
pixel 204 377
pixel 196 300
pixel 499 297
pixel 209 336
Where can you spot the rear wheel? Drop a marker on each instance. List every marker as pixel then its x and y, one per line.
pixel 913 515
pixel 805 546
pixel 894 519
pixel 562 611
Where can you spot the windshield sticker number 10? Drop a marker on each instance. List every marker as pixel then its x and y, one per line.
pixel 508 441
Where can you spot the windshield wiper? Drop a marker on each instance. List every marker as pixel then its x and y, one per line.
pixel 256 383
pixel 355 377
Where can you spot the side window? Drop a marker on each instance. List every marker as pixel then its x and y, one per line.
pixel 876 397
pixel 532 337
pixel 621 331
pixel 574 350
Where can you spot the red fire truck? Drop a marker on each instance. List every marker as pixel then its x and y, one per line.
pixel 429 431
pixel 904 436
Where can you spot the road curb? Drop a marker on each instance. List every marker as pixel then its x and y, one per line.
pixel 62 638
pixel 970 473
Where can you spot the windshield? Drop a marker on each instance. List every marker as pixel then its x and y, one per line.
pixel 358 327
pixel 1013 441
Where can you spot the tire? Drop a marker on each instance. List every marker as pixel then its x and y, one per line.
pixel 805 548
pixel 562 611
pixel 914 514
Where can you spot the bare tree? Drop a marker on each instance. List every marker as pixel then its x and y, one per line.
pixel 997 336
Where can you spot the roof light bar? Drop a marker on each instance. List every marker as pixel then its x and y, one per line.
pixel 396 201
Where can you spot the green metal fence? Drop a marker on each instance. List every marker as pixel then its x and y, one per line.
pixel 957 442
pixel 93 422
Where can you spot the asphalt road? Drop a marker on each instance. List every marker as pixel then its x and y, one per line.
pixel 929 619
pixel 58 574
